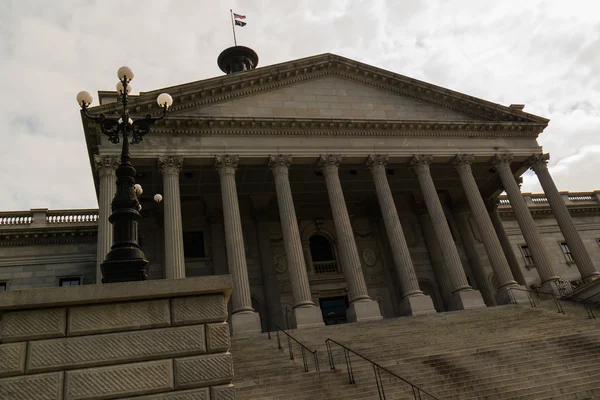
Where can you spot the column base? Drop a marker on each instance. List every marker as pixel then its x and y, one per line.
pixel 507 296
pixel 417 305
pixel 466 300
pixel 550 288
pixel 245 322
pixel 363 310
pixel 306 317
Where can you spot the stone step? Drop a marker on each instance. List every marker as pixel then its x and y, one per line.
pixel 511 351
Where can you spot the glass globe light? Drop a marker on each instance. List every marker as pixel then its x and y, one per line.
pixel 84 98
pixel 139 207
pixel 138 189
pixel 120 88
pixel 125 73
pixel 164 99
pixel 158 198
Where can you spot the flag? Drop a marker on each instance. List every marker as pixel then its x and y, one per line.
pixel 240 23
pixel 238 16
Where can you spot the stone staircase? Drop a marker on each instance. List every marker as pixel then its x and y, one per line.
pixel 508 352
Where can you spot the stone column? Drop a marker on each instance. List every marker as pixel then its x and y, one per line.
pixel 559 209
pixel 362 308
pixel 414 302
pixel 243 318
pixel 488 235
pixel 463 296
pixel 436 258
pixel 269 274
pixel 470 246
pixel 525 220
pixel 305 314
pixel 170 166
pixel 106 167
pixel 515 268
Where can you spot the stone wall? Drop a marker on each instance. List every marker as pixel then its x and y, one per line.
pixel 156 339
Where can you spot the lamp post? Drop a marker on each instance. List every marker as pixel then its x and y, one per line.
pixel 125 261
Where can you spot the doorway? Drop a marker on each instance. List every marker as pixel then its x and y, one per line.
pixel 334 309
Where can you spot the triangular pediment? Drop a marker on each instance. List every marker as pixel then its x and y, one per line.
pixel 329 96
pixel 324 86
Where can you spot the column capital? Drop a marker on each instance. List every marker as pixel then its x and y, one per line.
pixel 539 161
pixel 504 158
pixel 375 160
pixel 421 160
pixel 226 161
pixel 280 160
pixel 106 164
pixel 463 159
pixel 329 160
pixel 170 164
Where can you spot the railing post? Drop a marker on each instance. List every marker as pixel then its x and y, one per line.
pixel 304 361
pixel 316 359
pixel 290 348
pixel 330 355
pixel 278 340
pixel 349 366
pixel 379 382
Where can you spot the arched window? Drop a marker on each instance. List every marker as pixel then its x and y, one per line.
pixel 320 249
pixel 322 254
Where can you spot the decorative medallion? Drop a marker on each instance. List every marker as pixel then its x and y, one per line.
pixel 369 257
pixel 280 264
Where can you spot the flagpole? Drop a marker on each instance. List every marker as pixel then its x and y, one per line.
pixel 233 27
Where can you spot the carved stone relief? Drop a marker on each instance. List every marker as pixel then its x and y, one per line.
pixel 280 263
pixel 369 256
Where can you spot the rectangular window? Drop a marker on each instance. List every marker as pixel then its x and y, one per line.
pixel 3 286
pixel 566 251
pixel 193 245
pixel 69 281
pixel 527 255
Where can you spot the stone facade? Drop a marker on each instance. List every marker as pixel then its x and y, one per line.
pixel 117 341
pixel 331 191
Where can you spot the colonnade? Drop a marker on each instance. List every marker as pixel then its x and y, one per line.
pixel 362 307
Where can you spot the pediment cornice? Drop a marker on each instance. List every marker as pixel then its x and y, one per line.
pixel 224 88
pixel 342 127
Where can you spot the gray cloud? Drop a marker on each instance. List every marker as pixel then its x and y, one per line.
pixel 541 53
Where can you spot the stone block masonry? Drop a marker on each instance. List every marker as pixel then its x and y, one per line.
pixel 165 339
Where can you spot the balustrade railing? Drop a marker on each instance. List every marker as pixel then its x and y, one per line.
pixel 16 219
pixel 325 267
pixel 41 217
pixel 72 218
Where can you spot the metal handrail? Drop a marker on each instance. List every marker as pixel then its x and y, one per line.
pixel 377 368
pixel 303 349
pixel 557 298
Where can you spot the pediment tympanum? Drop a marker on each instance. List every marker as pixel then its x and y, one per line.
pixel 329 97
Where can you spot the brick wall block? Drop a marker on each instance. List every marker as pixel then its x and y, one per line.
pixel 204 370
pixel 33 324
pixel 115 348
pixel 194 394
pixel 12 359
pixel 119 381
pixel 33 387
pixel 223 392
pixel 116 317
pixel 217 337
pixel 199 309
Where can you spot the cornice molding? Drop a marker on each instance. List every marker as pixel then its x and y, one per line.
pixel 245 126
pixel 47 237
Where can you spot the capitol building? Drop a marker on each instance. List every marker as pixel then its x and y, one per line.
pixel 341 199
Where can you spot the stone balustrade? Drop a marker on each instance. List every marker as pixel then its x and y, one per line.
pixel 40 218
pixel 157 339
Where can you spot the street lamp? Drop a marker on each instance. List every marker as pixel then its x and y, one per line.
pixel 125 261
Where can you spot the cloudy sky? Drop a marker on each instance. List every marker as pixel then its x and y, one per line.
pixel 545 54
